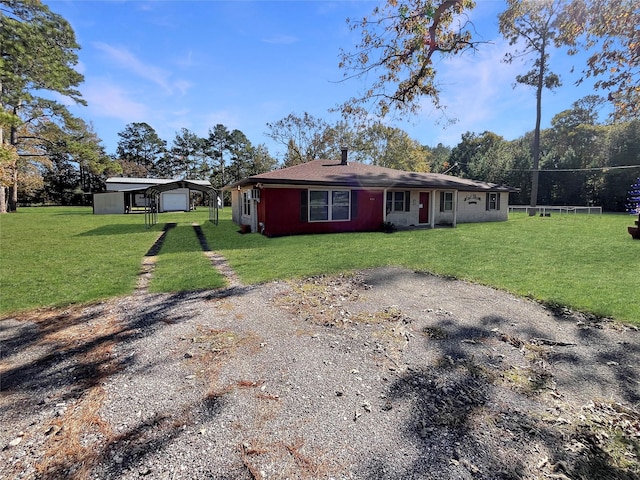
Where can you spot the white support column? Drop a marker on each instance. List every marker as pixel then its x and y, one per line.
pixel 432 208
pixel 384 205
pixel 455 207
pixel 254 214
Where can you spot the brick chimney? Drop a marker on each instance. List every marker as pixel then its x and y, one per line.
pixel 344 156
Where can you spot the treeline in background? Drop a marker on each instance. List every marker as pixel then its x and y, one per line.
pixel 583 161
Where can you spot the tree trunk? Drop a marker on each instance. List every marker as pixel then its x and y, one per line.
pixel 12 204
pixel 3 190
pixel 535 174
pixel 3 199
pixel 12 201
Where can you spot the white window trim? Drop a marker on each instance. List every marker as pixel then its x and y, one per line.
pixel 444 202
pixel 246 203
pixel 393 201
pixel 329 206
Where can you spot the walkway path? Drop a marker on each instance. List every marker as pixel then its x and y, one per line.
pixel 217 260
pixel 149 261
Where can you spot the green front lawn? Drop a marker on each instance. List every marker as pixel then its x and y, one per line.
pixel 59 256
pixel 586 262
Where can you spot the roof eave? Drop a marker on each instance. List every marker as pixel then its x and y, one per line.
pixel 364 184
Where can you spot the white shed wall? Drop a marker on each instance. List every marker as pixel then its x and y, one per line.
pixel 108 203
pixel 236 207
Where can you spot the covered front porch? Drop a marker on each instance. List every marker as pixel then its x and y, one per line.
pixel 420 208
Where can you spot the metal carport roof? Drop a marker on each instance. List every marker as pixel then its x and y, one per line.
pixel 153 192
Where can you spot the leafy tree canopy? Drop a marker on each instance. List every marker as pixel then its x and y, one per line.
pixel 306 138
pixel 140 149
pixel 188 155
pixel 608 29
pixel 393 148
pixel 397 48
pixel 400 40
pixel 38 53
pixel 532 25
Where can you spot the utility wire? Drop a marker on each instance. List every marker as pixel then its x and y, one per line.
pixel 592 169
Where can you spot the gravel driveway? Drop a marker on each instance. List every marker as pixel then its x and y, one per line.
pixel 382 374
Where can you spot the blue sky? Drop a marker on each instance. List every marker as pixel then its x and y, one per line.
pixel 194 64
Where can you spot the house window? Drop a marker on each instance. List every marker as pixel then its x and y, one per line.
pixel 340 205
pixel 446 201
pixel 398 202
pixel 329 205
pixel 246 203
pixel 493 201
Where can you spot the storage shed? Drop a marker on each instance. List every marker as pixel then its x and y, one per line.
pixel 125 195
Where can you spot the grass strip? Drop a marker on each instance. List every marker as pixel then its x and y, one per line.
pixel 182 265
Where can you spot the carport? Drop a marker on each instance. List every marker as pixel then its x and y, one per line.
pixel 152 199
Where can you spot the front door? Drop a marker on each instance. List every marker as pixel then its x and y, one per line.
pixel 423 212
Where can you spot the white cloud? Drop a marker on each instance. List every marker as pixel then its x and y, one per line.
pixel 181 113
pixel 183 86
pixel 229 119
pixel 477 91
pixel 128 61
pixel 80 67
pixel 186 61
pixel 106 99
pixel 474 85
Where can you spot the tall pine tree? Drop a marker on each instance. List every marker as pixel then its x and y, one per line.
pixel 38 53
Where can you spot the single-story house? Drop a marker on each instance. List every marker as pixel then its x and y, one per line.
pixel 325 196
pixel 123 194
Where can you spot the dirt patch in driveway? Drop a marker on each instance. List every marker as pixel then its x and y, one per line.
pixel 384 373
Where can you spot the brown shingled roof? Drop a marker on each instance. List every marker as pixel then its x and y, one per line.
pixel 354 174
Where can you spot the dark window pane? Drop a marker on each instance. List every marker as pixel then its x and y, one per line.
pixel 317 198
pixel 340 213
pixel 398 204
pixel 318 213
pixel 340 198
